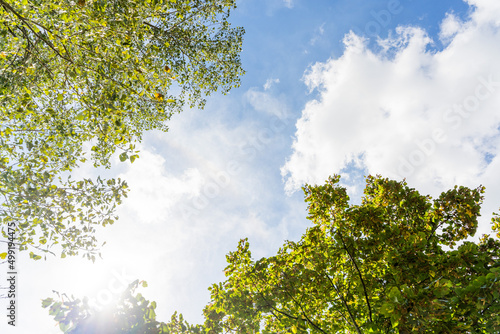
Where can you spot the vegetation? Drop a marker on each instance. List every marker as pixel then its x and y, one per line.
pixel 131 314
pixel 90 77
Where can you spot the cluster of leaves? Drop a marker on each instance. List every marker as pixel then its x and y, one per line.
pixel 96 74
pixel 131 314
pixel 66 215
pixel 384 266
pixel 112 69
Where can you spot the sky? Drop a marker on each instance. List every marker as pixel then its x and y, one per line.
pixel 405 89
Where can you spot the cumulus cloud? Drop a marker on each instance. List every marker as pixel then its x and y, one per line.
pixel 408 111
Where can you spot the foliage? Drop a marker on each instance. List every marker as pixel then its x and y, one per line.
pixel 98 74
pixel 131 314
pixel 388 265
pixel 48 213
pixel 112 69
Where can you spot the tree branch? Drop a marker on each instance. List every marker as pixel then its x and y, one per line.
pixel 359 274
pixel 303 312
pixel 345 305
pixel 50 45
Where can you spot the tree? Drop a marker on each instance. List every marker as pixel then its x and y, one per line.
pixel 96 74
pixel 388 265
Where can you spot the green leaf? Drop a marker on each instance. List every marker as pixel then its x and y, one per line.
pixel 123 156
pixel 47 302
pixel 34 256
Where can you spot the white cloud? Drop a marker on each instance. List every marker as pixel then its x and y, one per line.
pixel 319 32
pixel 288 3
pixel 405 111
pixel 270 82
pixel 270 7
pixel 267 102
pixel 486 11
pixel 450 26
pixel 153 191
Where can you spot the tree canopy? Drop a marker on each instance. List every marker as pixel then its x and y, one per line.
pixel 89 77
pixel 391 264
pixel 387 265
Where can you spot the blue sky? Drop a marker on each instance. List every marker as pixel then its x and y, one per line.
pixel 411 93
